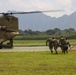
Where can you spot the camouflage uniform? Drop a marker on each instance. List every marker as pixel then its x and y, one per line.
pixel 61 41
pixel 64 45
pixel 50 44
pixel 53 43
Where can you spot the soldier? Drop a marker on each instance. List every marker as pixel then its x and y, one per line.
pixel 50 44
pixel 53 43
pixel 61 42
pixel 65 46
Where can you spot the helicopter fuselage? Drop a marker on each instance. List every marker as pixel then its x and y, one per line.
pixel 8 28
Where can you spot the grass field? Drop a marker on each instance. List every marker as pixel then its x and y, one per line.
pixel 35 42
pixel 29 42
pixel 37 63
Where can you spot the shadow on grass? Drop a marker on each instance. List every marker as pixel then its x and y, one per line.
pixel 59 53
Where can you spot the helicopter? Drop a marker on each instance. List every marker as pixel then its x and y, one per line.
pixel 9 27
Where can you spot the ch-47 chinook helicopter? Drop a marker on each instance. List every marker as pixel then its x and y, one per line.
pixel 9 27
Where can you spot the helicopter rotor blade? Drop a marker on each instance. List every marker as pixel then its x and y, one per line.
pixel 31 12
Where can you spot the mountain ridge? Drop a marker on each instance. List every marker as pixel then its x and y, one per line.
pixel 42 22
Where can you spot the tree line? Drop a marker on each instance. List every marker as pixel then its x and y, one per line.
pixel 55 31
pixel 43 35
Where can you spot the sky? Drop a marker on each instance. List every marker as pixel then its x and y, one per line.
pixel 39 5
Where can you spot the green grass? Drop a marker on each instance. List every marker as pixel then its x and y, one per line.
pixel 72 41
pixel 37 63
pixel 29 42
pixel 35 42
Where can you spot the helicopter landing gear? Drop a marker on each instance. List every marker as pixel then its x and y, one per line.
pixel 7 45
pixel 10 44
pixel 0 46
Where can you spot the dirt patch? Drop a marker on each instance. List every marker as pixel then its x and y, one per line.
pixel 73 47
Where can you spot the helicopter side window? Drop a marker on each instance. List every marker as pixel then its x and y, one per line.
pixel 13 19
pixel 7 19
pixel 3 27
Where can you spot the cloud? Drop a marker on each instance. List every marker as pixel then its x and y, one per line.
pixel 73 5
pixel 31 5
